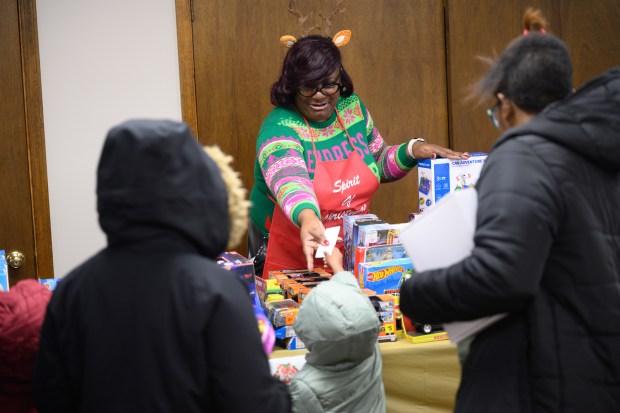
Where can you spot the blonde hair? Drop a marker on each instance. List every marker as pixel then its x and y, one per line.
pixel 238 206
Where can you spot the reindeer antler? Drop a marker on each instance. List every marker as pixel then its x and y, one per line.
pixel 327 21
pixel 301 19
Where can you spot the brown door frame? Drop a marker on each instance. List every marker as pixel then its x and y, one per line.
pixel 185 41
pixel 33 108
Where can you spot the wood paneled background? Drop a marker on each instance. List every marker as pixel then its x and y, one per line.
pixel 412 62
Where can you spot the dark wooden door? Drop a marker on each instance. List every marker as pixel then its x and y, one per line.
pixel 396 58
pixel 24 207
pixel 590 29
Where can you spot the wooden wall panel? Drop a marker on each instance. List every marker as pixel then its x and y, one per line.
pixel 480 28
pixel 591 29
pixel 396 58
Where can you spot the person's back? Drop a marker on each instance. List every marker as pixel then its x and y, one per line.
pixel 339 326
pixel 22 309
pixel 547 242
pixel 151 323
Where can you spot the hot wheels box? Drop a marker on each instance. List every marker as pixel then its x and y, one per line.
pixel 438 177
pixel 384 277
pixel 377 253
pixel 244 268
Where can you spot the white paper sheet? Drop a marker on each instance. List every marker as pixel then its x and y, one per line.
pixel 442 236
pixel 331 234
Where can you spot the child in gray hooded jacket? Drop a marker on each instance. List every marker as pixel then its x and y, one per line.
pixel 339 326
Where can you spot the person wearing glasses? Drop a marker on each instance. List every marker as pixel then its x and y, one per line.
pixel 319 156
pixel 546 245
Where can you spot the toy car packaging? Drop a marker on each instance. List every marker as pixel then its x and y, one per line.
pixel 384 277
pixel 350 226
pixel 438 177
pixel 384 306
pixel 266 288
pixel 244 268
pixel 377 253
pixel 282 313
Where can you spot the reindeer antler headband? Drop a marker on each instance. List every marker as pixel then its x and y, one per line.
pixel 340 39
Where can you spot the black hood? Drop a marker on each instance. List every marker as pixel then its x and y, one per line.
pixel 155 183
pixel 587 122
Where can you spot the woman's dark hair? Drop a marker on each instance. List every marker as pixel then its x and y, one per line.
pixel 308 62
pixel 534 70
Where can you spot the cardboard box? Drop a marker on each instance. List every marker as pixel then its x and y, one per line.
pixel 438 177
pixel 384 277
pixel 377 253
pixel 350 225
pixel 243 267
pixel 282 313
pixel 4 272
pixel 50 283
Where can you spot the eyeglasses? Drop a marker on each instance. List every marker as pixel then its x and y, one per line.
pixel 491 113
pixel 327 90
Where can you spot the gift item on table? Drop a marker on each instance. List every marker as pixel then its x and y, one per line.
pixel 377 253
pixel 282 313
pixel 384 277
pixel 243 267
pixel 440 176
pixel 349 233
pixel 384 305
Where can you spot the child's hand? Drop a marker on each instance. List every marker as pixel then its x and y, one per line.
pixel 334 260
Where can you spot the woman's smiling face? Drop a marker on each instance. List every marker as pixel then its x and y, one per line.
pixel 319 107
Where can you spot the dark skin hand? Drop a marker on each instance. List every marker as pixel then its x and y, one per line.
pixel 422 150
pixel 334 260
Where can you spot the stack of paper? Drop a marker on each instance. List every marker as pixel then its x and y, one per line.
pixel 442 236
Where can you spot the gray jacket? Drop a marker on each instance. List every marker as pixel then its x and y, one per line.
pixel 339 326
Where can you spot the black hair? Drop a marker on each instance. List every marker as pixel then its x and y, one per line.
pixel 310 61
pixel 534 70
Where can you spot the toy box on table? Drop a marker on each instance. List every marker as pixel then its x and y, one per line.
pixel 384 277
pixel 377 253
pixel 243 267
pixel 350 225
pixel 438 177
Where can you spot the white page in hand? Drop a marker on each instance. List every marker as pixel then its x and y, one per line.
pixel 331 234
pixel 443 236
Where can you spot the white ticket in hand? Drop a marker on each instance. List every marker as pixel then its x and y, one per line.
pixel 332 236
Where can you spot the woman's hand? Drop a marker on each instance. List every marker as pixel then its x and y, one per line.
pixel 423 150
pixel 312 234
pixel 334 260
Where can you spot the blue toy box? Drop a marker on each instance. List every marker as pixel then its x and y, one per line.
pixel 438 177
pixel 384 277
pixel 4 272
pixel 243 267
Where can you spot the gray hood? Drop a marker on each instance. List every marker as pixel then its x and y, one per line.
pixel 155 184
pixel 338 323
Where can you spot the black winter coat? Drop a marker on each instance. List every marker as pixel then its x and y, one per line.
pixel 151 323
pixel 547 251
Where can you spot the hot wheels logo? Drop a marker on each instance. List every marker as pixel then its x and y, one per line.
pixel 381 274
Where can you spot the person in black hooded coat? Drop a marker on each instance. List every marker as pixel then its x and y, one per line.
pixel 546 244
pixel 151 323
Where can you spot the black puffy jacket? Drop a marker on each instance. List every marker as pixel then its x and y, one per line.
pixel 547 251
pixel 151 323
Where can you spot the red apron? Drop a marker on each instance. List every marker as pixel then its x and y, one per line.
pixel 342 187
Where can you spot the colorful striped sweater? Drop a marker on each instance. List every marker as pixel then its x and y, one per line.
pixel 285 163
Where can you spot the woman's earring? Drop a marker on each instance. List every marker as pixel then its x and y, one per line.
pixel 344 89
